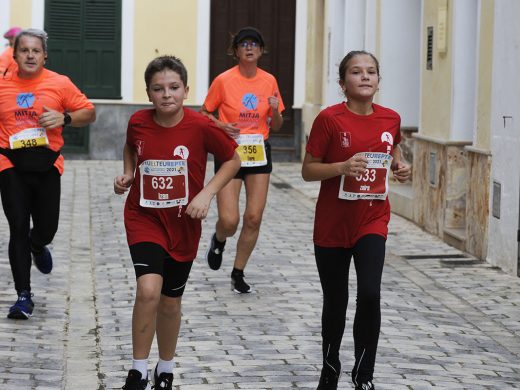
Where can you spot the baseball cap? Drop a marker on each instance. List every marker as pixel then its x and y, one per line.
pixel 12 32
pixel 248 32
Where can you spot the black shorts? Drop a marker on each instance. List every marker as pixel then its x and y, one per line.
pixel 242 172
pixel 151 258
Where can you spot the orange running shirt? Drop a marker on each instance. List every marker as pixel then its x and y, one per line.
pixel 244 101
pixel 22 102
pixel 7 63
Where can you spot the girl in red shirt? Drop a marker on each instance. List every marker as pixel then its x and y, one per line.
pixel 164 166
pixel 351 148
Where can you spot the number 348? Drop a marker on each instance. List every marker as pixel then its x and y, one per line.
pixel 368 175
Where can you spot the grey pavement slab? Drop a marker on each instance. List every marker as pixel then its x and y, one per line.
pixel 449 321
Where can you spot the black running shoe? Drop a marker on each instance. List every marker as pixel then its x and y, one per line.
pixel 365 386
pixel 238 284
pixel 43 260
pixel 23 307
pixel 214 253
pixel 134 381
pixel 163 381
pixel 329 379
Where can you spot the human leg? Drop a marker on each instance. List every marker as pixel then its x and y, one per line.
pixel 256 194
pixel 45 211
pixel 16 204
pixel 257 187
pixel 333 268
pixel 369 255
pixel 148 259
pixel 227 222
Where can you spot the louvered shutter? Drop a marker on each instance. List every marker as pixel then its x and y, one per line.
pixel 85 44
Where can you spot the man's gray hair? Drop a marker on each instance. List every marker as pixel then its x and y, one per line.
pixel 32 32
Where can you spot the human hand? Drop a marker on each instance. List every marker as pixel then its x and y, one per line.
pixel 122 183
pixel 402 171
pixel 354 166
pixel 273 101
pixel 231 129
pixel 199 206
pixel 50 118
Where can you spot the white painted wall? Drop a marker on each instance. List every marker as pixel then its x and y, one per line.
pixel 127 50
pixel 399 58
pixel 505 139
pixel 5 6
pixel 38 13
pixel 202 70
pixel 464 69
pixel 300 53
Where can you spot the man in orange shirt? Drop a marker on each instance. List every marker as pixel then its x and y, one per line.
pixel 35 105
pixel 7 62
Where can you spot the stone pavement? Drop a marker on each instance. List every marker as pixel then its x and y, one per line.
pixel 449 321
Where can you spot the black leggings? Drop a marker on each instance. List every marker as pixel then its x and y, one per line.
pixel 26 195
pixel 333 267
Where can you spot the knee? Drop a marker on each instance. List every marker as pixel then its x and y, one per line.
pixel 252 221
pixel 170 307
pixel 367 298
pixel 147 294
pixel 228 224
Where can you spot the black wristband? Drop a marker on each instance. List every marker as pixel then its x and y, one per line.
pixel 66 119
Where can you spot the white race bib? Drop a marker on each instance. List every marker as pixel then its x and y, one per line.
pixel 164 183
pixel 29 138
pixel 251 149
pixel 372 184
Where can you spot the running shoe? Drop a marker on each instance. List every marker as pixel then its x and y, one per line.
pixel 163 381
pixel 214 253
pixel 23 307
pixel 43 260
pixel 329 379
pixel 238 284
pixel 365 386
pixel 134 381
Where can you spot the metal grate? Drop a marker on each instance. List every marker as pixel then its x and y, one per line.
pixel 429 50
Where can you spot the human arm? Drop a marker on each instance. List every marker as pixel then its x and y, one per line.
pixel 199 206
pixel 314 169
pixel 229 128
pixel 276 118
pixel 402 171
pixel 52 119
pixel 123 182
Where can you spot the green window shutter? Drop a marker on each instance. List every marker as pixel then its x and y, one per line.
pixel 85 44
pixel 102 49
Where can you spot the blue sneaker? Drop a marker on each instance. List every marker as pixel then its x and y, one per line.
pixel 23 307
pixel 43 260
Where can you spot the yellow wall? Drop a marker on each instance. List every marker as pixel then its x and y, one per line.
pixel 164 27
pixel 485 68
pixel 21 13
pixel 436 83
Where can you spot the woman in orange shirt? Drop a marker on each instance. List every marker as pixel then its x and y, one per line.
pixel 249 106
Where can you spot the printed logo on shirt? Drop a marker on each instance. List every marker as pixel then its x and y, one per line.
pixel 387 137
pixel 250 101
pixel 344 138
pixel 139 147
pixel 182 152
pixel 25 99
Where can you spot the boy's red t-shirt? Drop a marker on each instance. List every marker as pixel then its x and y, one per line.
pixel 192 139
pixel 336 135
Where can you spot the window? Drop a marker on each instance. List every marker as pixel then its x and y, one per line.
pixel 85 44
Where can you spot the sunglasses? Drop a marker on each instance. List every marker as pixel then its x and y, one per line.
pixel 246 44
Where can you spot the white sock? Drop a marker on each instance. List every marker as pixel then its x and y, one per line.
pixel 164 366
pixel 141 365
